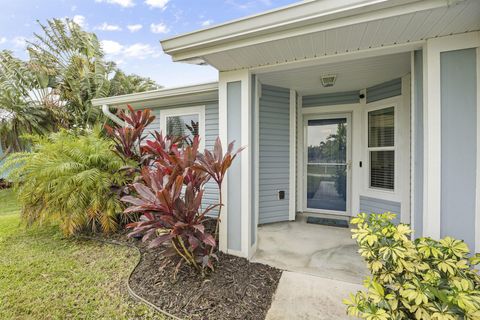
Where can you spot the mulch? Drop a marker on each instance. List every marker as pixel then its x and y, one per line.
pixel 237 289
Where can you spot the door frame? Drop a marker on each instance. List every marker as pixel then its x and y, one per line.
pixel 348 116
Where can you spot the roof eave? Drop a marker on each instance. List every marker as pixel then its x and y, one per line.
pixel 302 18
pixel 205 90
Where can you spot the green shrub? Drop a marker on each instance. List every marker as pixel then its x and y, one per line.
pixel 70 179
pixel 421 279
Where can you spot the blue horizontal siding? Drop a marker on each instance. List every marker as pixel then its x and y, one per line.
pixel 274 154
pixel 329 99
pixel 384 90
pixel 373 205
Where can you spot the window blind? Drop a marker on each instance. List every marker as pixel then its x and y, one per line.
pixel 382 169
pixel 381 128
pixel 381 143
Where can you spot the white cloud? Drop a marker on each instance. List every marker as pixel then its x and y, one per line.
pixel 207 23
pixel 119 53
pixel 161 4
pixel 73 8
pixel 3 40
pixel 134 27
pixel 111 47
pixel 80 20
pixel 139 51
pixel 108 27
pixel 123 3
pixel 159 28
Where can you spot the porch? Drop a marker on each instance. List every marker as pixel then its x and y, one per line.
pixel 315 149
pixel 318 250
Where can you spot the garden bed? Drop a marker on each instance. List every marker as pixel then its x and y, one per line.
pixel 238 289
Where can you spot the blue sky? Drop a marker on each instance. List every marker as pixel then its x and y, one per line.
pixel 130 30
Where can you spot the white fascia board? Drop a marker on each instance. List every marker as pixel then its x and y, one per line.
pixel 296 20
pixel 204 89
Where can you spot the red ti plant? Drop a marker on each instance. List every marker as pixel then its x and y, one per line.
pixel 128 138
pixel 169 198
pixel 216 164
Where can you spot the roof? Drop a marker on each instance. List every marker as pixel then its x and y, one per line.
pixel 311 29
pixel 163 97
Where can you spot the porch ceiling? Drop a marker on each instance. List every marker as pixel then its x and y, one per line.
pixel 368 25
pixel 351 75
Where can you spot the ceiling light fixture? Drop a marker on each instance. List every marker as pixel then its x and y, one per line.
pixel 328 80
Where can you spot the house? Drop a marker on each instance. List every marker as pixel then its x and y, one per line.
pixel 345 106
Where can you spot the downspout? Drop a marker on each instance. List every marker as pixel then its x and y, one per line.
pixel 111 116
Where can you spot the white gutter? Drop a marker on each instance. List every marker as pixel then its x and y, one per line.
pixel 111 116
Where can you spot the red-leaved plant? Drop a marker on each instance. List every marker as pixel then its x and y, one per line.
pixel 128 138
pixel 169 195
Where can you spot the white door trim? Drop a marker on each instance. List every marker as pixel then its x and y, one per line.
pixel 292 154
pixel 348 117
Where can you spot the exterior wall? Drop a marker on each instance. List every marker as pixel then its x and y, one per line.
pixel 385 90
pixel 274 147
pixel 418 143
pixel 458 144
pixel 330 99
pixel 211 133
pixel 373 205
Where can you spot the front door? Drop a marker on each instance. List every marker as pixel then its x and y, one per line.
pixel 327 157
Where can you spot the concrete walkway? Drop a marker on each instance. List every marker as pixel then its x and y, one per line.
pixel 322 267
pixel 305 297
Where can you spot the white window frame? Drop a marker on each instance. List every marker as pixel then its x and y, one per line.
pixel 185 111
pixel 395 194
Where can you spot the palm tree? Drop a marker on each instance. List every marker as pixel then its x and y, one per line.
pixel 122 83
pixel 76 61
pixel 27 104
pixel 54 89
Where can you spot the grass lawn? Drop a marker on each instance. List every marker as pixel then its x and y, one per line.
pixel 45 276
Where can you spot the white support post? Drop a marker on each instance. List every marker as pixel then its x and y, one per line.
pixel 432 125
pixel 245 174
pixel 299 118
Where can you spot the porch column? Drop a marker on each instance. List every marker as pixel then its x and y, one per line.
pixel 451 179
pixel 235 124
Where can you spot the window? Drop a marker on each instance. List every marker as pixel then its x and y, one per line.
pixel 184 122
pixel 381 147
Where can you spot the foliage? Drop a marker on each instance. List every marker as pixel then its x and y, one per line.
pixel 122 83
pixel 128 138
pixel 70 179
pixel 27 104
pixel 75 60
pixel 54 88
pixel 170 192
pixel 421 279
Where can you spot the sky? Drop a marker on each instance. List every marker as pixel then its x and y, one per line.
pixel 130 30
